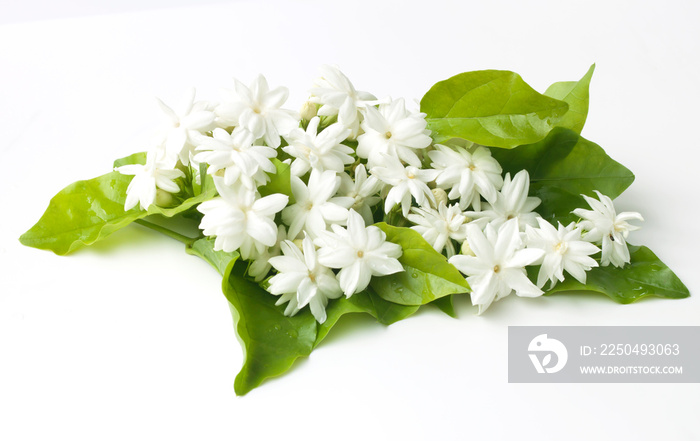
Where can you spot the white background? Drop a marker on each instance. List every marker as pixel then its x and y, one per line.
pixel 132 338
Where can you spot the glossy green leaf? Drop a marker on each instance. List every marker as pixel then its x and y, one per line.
pixel 415 287
pixel 562 167
pixel 367 302
pixel 271 341
pixel 386 312
pixel 490 107
pixel 279 182
pixel 446 305
pixel 334 311
pixel 220 260
pixel 645 276
pixel 574 93
pixel 136 158
pixel 88 211
pixel 427 276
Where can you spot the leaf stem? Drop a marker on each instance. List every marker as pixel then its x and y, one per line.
pixel 168 232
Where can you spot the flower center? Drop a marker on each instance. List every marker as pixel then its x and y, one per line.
pixel 312 277
pixel 309 205
pixel 496 269
pixel 359 202
pixel 510 216
pixel 561 247
pixel 444 226
pixel 360 254
pixel 388 135
pixel 472 167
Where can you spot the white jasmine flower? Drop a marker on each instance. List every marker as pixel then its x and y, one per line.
pixel 257 108
pixel 260 265
pixel 394 131
pixel 439 227
pixel 512 202
pixel 337 96
pixel 498 265
pixel 302 280
pixel 321 151
pixel 185 123
pixel 605 225
pixel 405 182
pixel 315 206
pixel 237 156
pixel 240 221
pixel 157 173
pixel 564 250
pixel 469 176
pixel 359 252
pixel 363 190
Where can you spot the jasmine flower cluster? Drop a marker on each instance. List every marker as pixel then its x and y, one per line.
pixel 353 161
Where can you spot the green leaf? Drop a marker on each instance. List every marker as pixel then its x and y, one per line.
pixel 367 302
pixel 562 167
pixel 271 341
pixel 136 158
pixel 574 93
pixel 88 211
pixel 490 107
pixel 427 276
pixel 646 275
pixel 279 182
pixel 384 311
pixel 446 305
pixel 336 309
pixel 415 287
pixel 204 249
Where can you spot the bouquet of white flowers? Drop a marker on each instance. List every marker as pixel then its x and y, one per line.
pixel 358 204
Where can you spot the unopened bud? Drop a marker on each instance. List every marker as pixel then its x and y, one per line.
pixel 299 243
pixel 163 198
pixel 466 249
pixel 440 196
pixel 308 111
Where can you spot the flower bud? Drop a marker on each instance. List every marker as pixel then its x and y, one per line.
pixel 308 111
pixel 466 249
pixel 440 196
pixel 299 243
pixel 163 198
